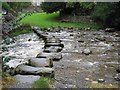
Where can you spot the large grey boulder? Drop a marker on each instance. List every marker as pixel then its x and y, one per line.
pixel 41 62
pixel 30 70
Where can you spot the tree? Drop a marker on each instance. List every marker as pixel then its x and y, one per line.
pixel 51 7
pixel 107 14
pixel 14 7
pixel 7 7
pixel 71 8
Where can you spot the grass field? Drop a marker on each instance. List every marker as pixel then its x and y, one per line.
pixel 50 20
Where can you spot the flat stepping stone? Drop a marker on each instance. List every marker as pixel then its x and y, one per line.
pixel 26 78
pixel 52 40
pixel 53 49
pixel 41 62
pixel 54 44
pixel 44 55
pixel 30 70
pixel 54 56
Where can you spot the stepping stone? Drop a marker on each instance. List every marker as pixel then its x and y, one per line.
pixel 30 70
pixel 41 62
pixel 54 44
pixel 53 49
pixel 26 78
pixel 54 56
pixel 44 55
pixel 52 40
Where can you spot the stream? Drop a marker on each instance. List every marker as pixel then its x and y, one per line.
pixel 87 57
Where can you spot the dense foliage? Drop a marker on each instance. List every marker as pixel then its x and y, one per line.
pixel 14 7
pixel 73 8
pixel 108 14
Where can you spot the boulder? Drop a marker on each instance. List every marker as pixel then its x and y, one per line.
pixel 53 49
pixel 30 70
pixel 41 62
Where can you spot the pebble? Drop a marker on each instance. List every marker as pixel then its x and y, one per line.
pixel 87 51
pixel 101 80
pixel 77 71
pixel 87 79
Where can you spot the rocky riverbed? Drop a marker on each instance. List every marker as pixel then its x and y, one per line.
pixel 84 57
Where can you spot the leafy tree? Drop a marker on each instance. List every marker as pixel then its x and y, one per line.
pixel 7 7
pixel 14 7
pixel 107 14
pixel 17 6
pixel 73 8
pixel 51 7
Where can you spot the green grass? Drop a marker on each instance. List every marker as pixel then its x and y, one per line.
pixel 50 20
pixel 41 83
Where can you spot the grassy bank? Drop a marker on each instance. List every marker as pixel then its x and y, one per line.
pixel 50 20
